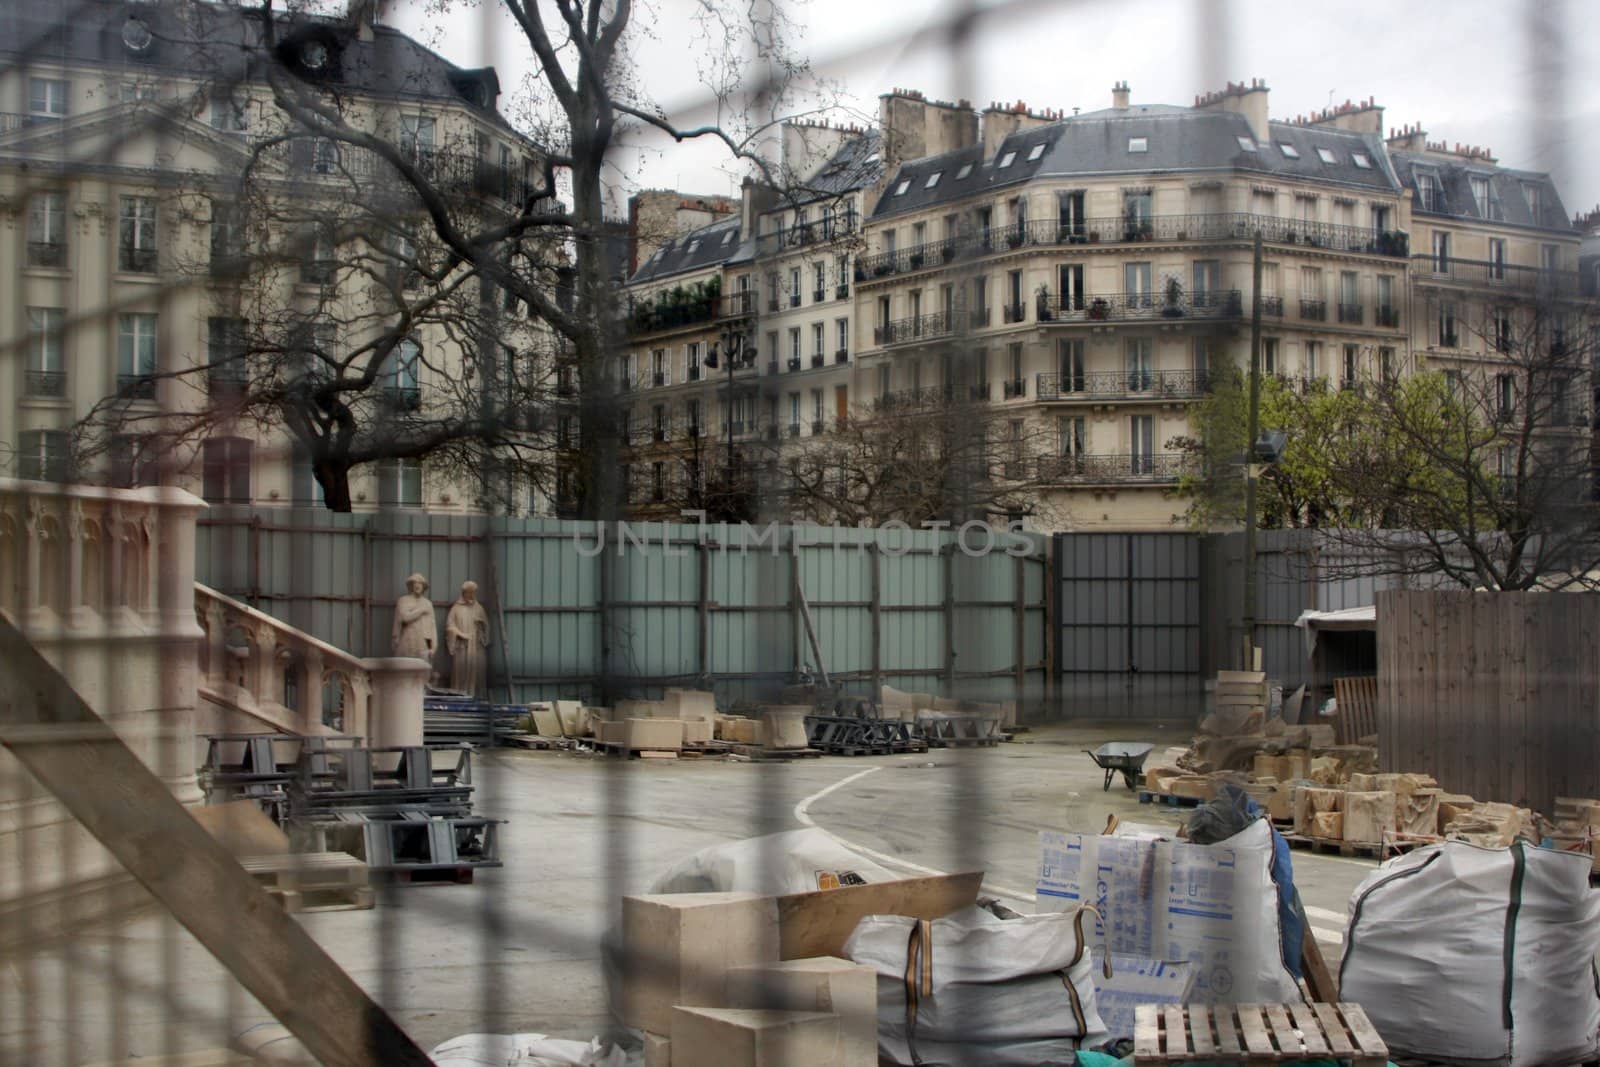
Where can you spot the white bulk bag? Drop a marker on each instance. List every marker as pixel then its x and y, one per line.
pixel 794 861
pixel 974 989
pixel 1462 954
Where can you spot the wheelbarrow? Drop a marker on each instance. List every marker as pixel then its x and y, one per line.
pixel 1125 756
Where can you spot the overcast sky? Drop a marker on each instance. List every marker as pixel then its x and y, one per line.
pixel 1473 71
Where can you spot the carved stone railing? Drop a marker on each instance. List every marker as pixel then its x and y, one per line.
pixel 281 678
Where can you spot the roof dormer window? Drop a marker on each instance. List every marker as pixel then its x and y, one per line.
pixel 1327 156
pixel 1360 160
pixel 1246 144
pixel 727 237
pixel 1138 144
pixel 694 246
pixel 933 179
pixel 1035 152
pixel 1005 161
pixel 966 169
pixel 1289 150
pixel 900 190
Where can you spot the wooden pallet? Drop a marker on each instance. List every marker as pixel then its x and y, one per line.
pixel 1358 708
pixel 1335 846
pixel 313 881
pixel 619 748
pixel 429 875
pixel 1147 797
pixel 1255 1034
pixel 759 752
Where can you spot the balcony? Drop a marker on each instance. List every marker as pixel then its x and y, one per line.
pixel 794 429
pixel 818 360
pixel 1136 229
pixel 1352 314
pixel 658 379
pixel 687 309
pixel 1272 305
pixel 1213 305
pixel 809 233
pixel 1015 388
pixel 772 305
pixel 818 427
pixel 794 363
pixel 1159 468
pixel 136 260
pixel 402 397
pixel 1387 316
pixel 916 328
pixel 223 385
pixel 1145 385
pixel 911 399
pixel 736 305
pixel 1532 281
pixel 841 291
pixel 794 300
pixel 47 254
pixel 1014 313
pixel 694 372
pixel 45 383
pixel 818 295
pixel 842 356
pixel 136 387
pixel 1314 310
pixel 979 391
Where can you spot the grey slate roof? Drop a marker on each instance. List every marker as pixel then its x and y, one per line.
pixel 1177 139
pixel 215 40
pixel 1506 191
pixel 856 165
pixel 711 244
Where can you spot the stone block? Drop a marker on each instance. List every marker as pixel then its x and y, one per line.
pixel 1328 825
pixel 571 715
pixel 1309 801
pixel 820 983
pixel 751 1037
pixel 1417 813
pixel 663 734
pixel 1368 815
pixel 784 726
pixel 679 948
pixel 611 733
pixel 696 731
pixel 740 731
pixel 657 1050
pixel 546 723
pixel 690 704
pixel 1193 786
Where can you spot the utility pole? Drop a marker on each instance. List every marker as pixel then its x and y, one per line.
pixel 1252 431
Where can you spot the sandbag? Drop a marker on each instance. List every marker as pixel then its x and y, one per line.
pixel 790 862
pixel 1214 905
pixel 981 990
pixel 1462 954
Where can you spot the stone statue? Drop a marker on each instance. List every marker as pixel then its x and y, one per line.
pixel 415 631
pixel 466 634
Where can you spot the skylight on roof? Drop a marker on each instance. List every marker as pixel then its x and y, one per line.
pixel 1035 152
pixel 1289 150
pixel 900 190
pixel 1247 144
pixel 933 179
pixel 694 245
pixel 1360 160
pixel 1005 160
pixel 727 237
pixel 1138 144
pixel 966 169
pixel 1326 156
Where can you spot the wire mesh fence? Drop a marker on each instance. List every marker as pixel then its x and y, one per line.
pixel 279 259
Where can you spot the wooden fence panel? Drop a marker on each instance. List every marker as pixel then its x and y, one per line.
pixel 1495 694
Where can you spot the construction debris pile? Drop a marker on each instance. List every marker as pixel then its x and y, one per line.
pixel 1331 793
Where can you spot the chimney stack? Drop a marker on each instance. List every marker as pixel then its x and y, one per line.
pixel 1120 96
pixel 1247 100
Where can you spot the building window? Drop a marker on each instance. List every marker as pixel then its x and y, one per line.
pixel 225 352
pixel 136 234
pixel 1447 325
pixel 1142 439
pixel 794 287
pixel 819 282
pixel 47 230
pixel 1505 396
pixel 794 348
pixel 1327 156
pixel 1312 364
pixel 47 98
pixel 229 113
pixel 304 488
pixel 1140 360
pixel 1069 359
pixel 1269 355
pixel 317 260
pixel 1352 363
pixel 1428 191
pixel 1480 195
pixel 400 483
pixel 226 470
pixel 227 241
pixel 1016 385
pixel 416 137
pixel 842 331
pixel 44 456
pixel 1549 258
pixel 130 464
pixel 1137 280
pixel 1497 258
pixel 1535 203
pixel 1502 332
pixel 1073 439
pixel 883 382
pixel 136 356
pixel 1386 363
pixel 401 375
pixel 1441 252
pixel 1138 144
pixel 1005 160
pixel 46 371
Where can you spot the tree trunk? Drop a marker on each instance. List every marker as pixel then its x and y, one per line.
pixel 335 481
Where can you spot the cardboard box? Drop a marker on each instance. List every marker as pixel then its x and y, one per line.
pixel 678 949
pixel 660 734
pixel 750 1037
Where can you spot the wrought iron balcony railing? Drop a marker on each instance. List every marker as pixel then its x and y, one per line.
pixel 1315 310
pixel 1508 277
pixel 45 383
pixel 1157 468
pixel 47 254
pixel 1272 305
pixel 1217 304
pixel 136 260
pixel 918 327
pixel 1121 385
pixel 842 356
pixel 1353 314
pixel 136 387
pixel 1387 316
pixel 737 305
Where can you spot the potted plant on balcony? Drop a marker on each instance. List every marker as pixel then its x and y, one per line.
pixel 1173 309
pixel 948 251
pixel 1045 312
pixel 1099 308
pixel 1014 236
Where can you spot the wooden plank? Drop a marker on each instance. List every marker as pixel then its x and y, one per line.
pixel 1200 1029
pixel 1373 1052
pixel 1283 1035
pixel 1227 1034
pixel 1256 1040
pixel 1333 1027
pixel 1319 979
pixel 818 924
pixel 127 808
pixel 1177 1032
pixel 1310 1029
pixel 1146 1033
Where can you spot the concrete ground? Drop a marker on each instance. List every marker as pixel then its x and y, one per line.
pixel 519 950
